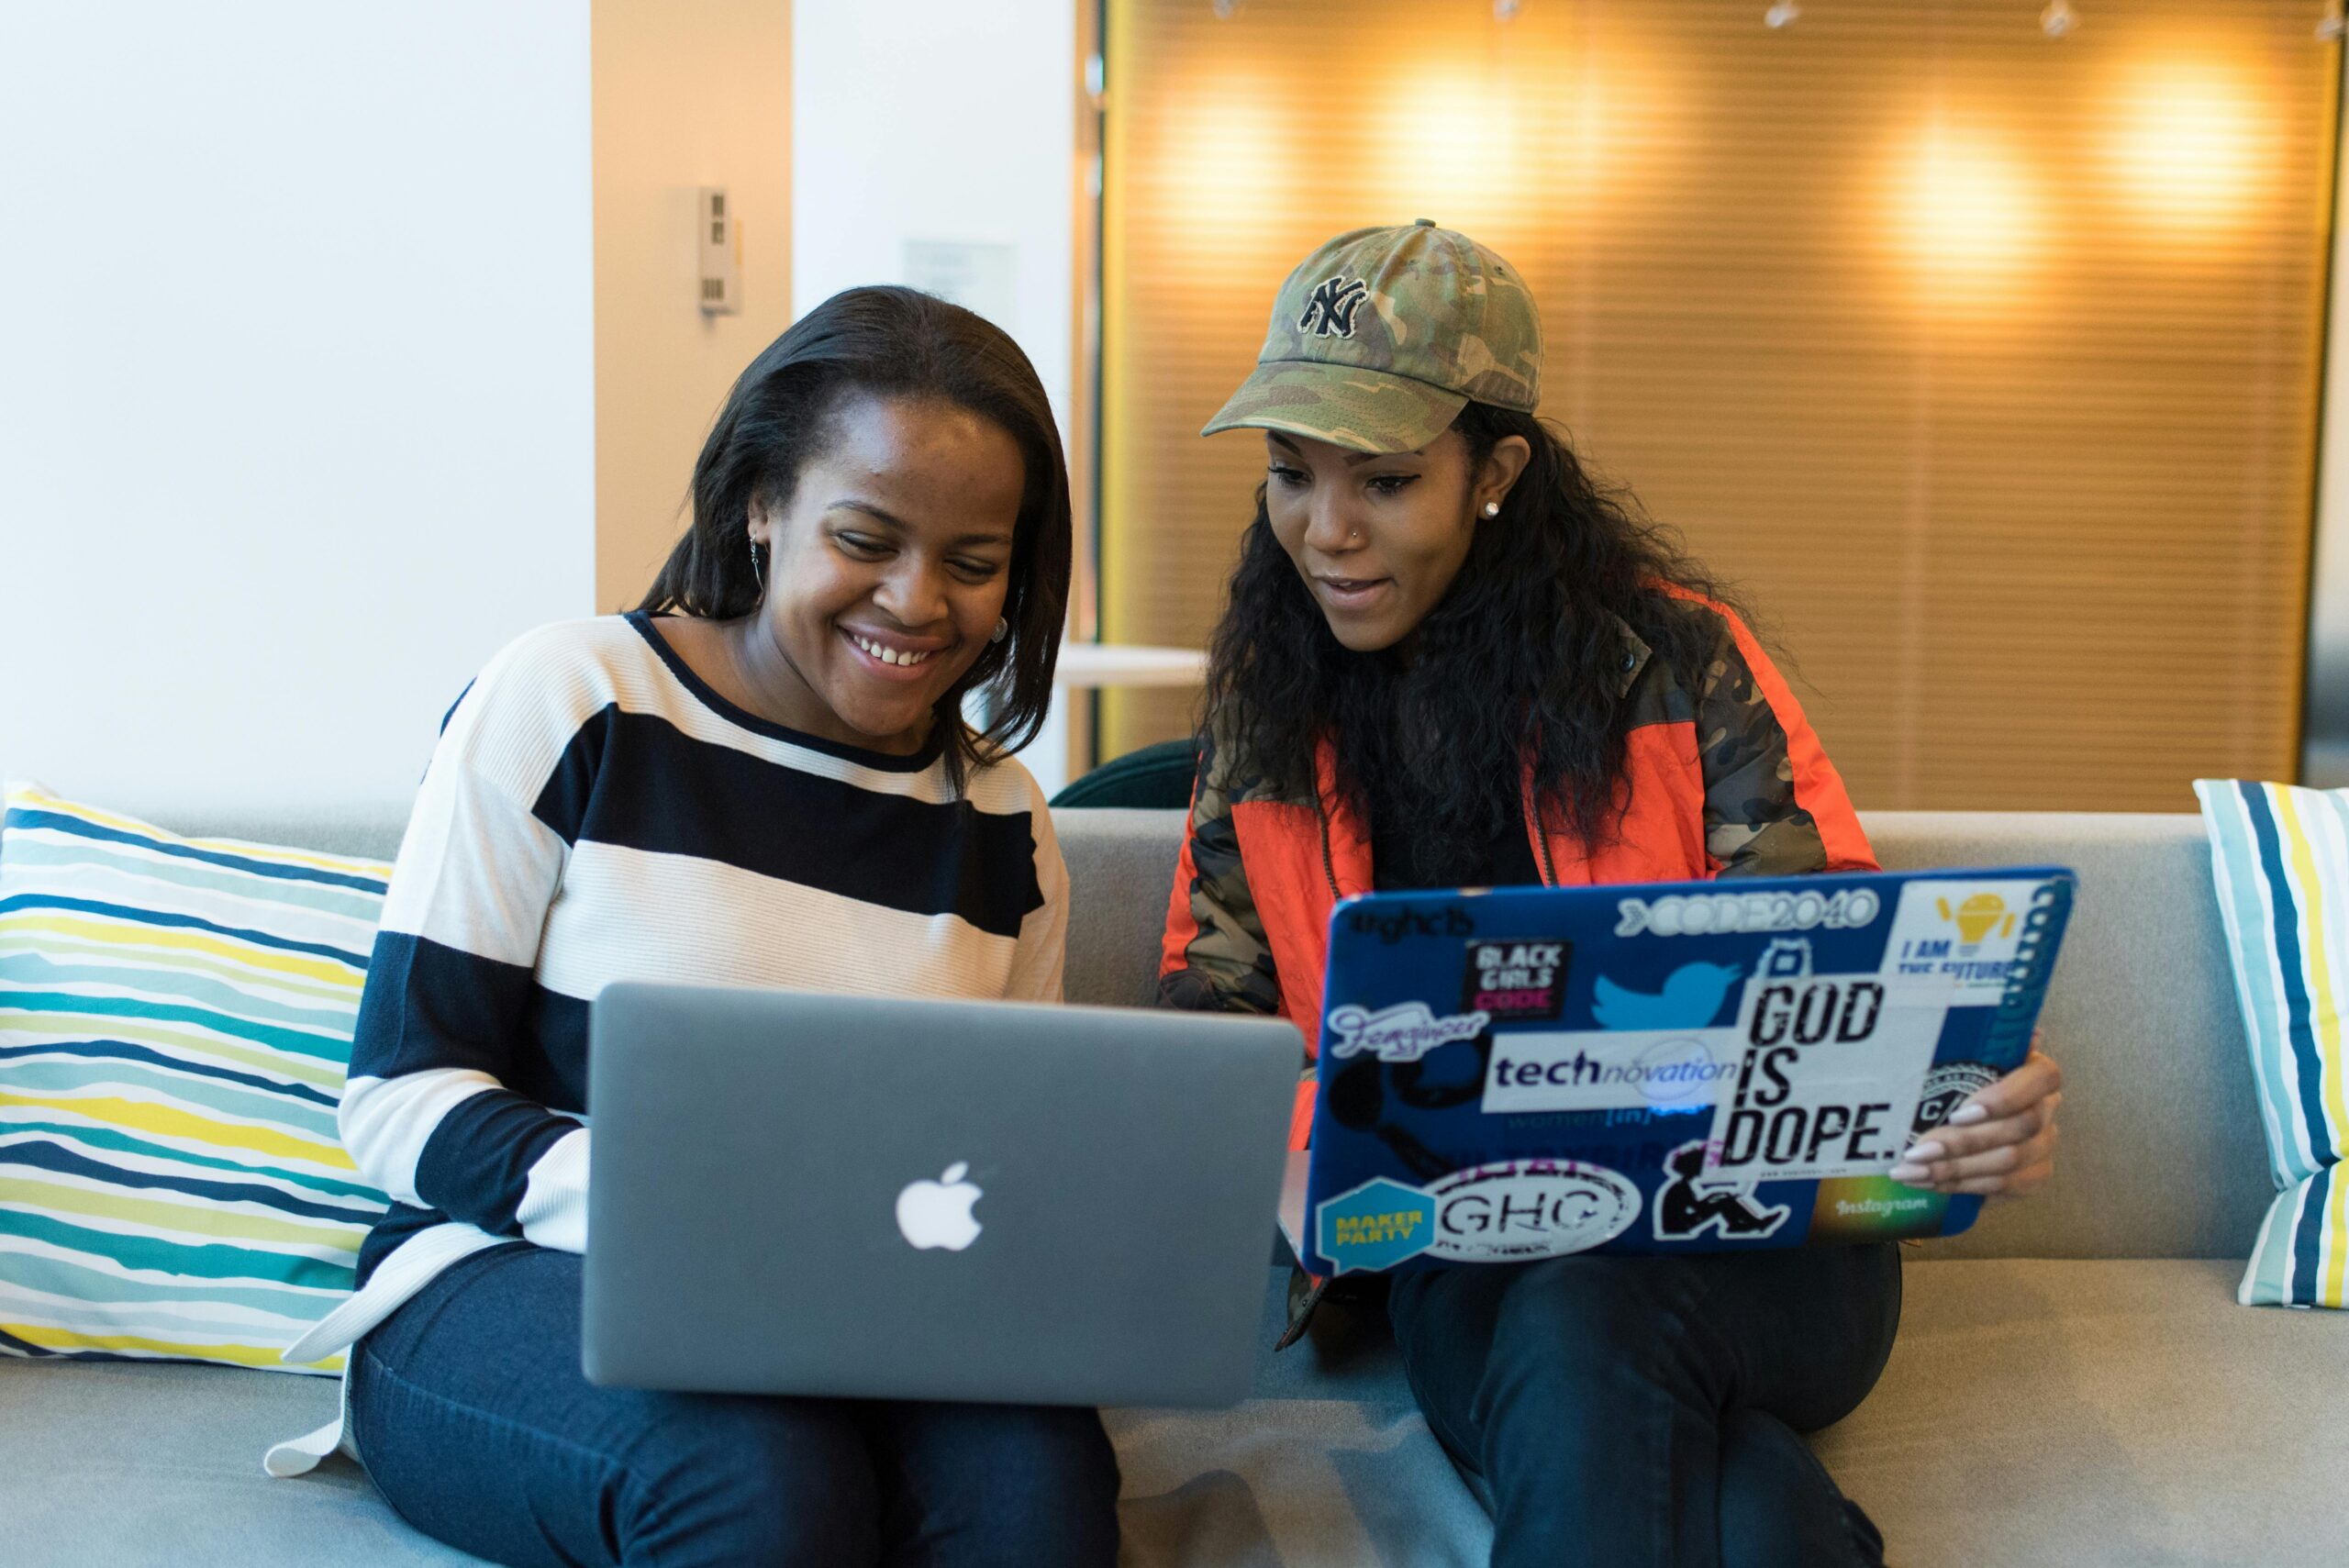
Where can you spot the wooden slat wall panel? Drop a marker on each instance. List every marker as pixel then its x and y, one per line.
pixel 1985 366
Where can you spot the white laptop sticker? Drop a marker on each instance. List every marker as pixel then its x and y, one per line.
pixel 1963 934
pixel 1404 1032
pixel 1828 1083
pixel 1590 1070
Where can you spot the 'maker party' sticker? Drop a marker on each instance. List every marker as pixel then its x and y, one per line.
pixel 1375 1225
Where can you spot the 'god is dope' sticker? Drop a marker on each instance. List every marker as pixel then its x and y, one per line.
pixel 1519 1210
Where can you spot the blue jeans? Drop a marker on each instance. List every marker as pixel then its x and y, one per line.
pixel 471 1413
pixel 1641 1412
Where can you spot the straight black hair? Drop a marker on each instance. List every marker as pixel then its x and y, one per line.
pixel 889 342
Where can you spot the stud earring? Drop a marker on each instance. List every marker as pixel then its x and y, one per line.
pixel 759 565
pixel 1002 630
pixel 1492 508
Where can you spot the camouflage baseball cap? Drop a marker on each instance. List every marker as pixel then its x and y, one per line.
pixel 1382 336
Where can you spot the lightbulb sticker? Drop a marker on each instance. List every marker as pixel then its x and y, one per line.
pixel 1979 917
pixel 1964 934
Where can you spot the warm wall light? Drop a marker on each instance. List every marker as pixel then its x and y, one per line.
pixel 1221 166
pixel 1500 143
pixel 2189 145
pixel 1451 142
pixel 1963 215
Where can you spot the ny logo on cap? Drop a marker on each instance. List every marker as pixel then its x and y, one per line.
pixel 1332 308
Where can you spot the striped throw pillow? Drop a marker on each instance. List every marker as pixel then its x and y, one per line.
pixel 2280 856
pixel 175 1021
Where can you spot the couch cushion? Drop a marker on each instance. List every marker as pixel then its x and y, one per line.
pixel 370 832
pixel 112 1465
pixel 2105 1412
pixel 175 1021
pixel 1120 869
pixel 2088 1413
pixel 2099 1414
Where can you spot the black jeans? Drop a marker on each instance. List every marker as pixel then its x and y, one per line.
pixel 471 1414
pixel 1637 1412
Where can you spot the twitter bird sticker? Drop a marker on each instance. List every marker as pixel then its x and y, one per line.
pixel 1692 995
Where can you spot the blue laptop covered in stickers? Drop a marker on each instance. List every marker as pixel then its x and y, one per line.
pixel 1527 1072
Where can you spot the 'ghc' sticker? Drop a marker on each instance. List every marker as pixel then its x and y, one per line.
pixel 1519 1210
pixel 1375 1225
pixel 1401 1033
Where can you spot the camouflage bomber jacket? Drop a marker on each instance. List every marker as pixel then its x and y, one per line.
pixel 1726 779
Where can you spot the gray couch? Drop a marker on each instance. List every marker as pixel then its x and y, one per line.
pixel 2073 1385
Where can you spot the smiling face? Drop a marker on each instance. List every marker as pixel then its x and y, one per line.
pixel 1379 539
pixel 888 569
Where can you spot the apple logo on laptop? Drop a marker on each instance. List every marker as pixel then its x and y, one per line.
pixel 938 1214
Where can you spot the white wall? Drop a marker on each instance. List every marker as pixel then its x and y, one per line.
pixel 296 420
pixel 943 122
pixel 937 121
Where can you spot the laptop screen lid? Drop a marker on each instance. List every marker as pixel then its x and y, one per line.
pixel 860 1196
pixel 1529 1072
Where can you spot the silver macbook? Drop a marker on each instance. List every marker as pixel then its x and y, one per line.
pixel 846 1196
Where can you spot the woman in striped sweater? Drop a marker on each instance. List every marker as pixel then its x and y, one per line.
pixel 760 777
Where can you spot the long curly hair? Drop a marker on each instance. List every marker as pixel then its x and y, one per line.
pixel 1521 659
pixel 894 342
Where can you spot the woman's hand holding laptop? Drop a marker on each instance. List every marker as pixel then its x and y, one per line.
pixel 2000 1143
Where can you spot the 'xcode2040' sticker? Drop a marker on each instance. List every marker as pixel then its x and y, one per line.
pixel 1714 914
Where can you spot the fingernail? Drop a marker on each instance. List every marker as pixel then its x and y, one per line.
pixel 1908 1173
pixel 1920 1153
pixel 1967 1115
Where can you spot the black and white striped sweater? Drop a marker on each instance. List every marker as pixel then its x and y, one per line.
pixel 595 812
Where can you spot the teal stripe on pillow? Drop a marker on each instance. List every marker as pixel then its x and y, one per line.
pixel 176 1022
pixel 2280 861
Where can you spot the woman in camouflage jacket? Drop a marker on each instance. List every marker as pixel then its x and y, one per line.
pixel 1450 659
